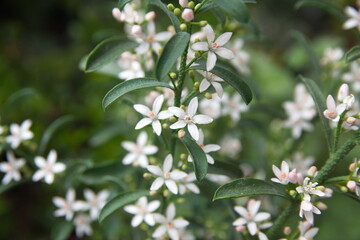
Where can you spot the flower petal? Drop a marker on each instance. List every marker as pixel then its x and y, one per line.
pixel 193 106
pixel 224 53
pixel 223 38
pixel 194 131
pixel 144 110
pixel 211 61
pixel 178 124
pixel 158 104
pixel 202 119
pixel 168 162
pixel 157 184
pixel 210 35
pixel 200 46
pixel 143 122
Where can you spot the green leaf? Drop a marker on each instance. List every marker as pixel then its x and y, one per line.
pixel 320 104
pixel 236 8
pixel 119 201
pixel 14 98
pixel 230 77
pixel 175 21
pixel 244 187
pixel 197 154
pixel 107 51
pixel 62 230
pixel 131 85
pixel 171 52
pixel 353 54
pixel 49 132
pixel 325 6
pixel 122 3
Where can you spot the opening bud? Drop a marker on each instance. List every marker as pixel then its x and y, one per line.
pixel 150 16
pixel 116 14
pixel 312 171
pixel 136 30
pixel 287 230
pixel 187 14
pixel 181 133
pixel 351 185
pixel 183 3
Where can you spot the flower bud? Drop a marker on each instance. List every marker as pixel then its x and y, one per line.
pixel 312 171
pixel 183 156
pixel 136 30
pixel 183 27
pixel 293 193
pixel 152 193
pixel 287 230
pixel 150 16
pixel 343 92
pixel 196 86
pixel 293 177
pixel 172 119
pixel 203 23
pixel 170 7
pixel 197 7
pixel 116 14
pixel 300 178
pixel 208 95
pixel 183 3
pixel 160 51
pixel 321 188
pixel 165 126
pixel 177 11
pixel 183 107
pixel 352 167
pixel 180 200
pixel 191 5
pixel 322 206
pixel 184 167
pixel 351 120
pixel 351 185
pixel 173 75
pixel 240 228
pixel 147 175
pixel 166 193
pixel 188 14
pixel 343 189
pixel 181 133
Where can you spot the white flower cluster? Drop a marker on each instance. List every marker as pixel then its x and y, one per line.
pixel 86 211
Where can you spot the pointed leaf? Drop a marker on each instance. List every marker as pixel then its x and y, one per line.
pixel 16 97
pixel 49 132
pixel 236 8
pixel 353 54
pixel 172 51
pixel 320 104
pixel 175 21
pixel 119 201
pixel 244 187
pixel 107 51
pixel 197 154
pixel 62 230
pixel 232 78
pixel 122 3
pixel 131 85
pixel 325 6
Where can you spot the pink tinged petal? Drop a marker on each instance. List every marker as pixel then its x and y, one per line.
pixel 155 170
pixel 316 210
pixel 211 61
pixel 193 106
pixel 143 122
pixel 129 158
pixel 205 84
pixel 218 88
pixel 49 178
pixel 239 222
pixel 38 175
pixel 262 216
pixel 340 108
pixel 224 53
pixel 4 167
pixel 173 233
pixel 170 212
pixel 276 180
pixel 153 205
pixel 265 225
pixel 223 38
pixel 241 210
pixel 171 185
pixel 149 219
pixel 311 233
pixel 200 46
pixel 52 157
pixel 330 103
pixel 168 162
pixel 210 35
pixel 164 115
pixel 252 228
pixel 136 220
pixel 309 217
pixel 70 195
pixel 160 231
pixel 159 218
pixel 157 127
pixel 284 167
pixel 180 223
pixel 142 48
pixel 202 119
pixel 319 193
pixel 58 201
pixel 177 175
pixel 306 206
pixel 193 130
pixel 276 171
pixel 40 162
pixel 58 167
pixel 150 149
pixel 156 47
pixel 178 112
pixel 178 124
pixel 141 139
pixel 157 184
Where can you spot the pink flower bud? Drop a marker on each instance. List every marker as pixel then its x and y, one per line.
pixel 300 178
pixel 312 171
pixel 287 230
pixel 183 3
pixel 240 228
pixel 150 16
pixel 136 30
pixel 188 14
pixel 293 177
pixel 351 185
pixel 351 120
pixel 116 14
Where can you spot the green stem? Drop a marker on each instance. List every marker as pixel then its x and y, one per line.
pixel 337 135
pixel 280 221
pixel 335 158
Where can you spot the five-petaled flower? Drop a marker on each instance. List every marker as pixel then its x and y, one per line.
pixel 11 168
pixel 19 133
pixel 143 211
pixel 83 225
pixel 210 79
pixel 48 168
pixel 283 175
pixel 95 202
pixel 68 206
pixel 333 112
pixel 354 18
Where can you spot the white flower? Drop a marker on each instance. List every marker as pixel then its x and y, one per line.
pixel 19 133
pixel 350 124
pixel 211 107
pixel 211 79
pixel 218 178
pixel 138 151
pixel 251 217
pixel 189 118
pixel 206 148
pixel 354 18
pixel 68 206
pixel 307 209
pixel 95 202
pixel 241 58
pixel 153 116
pixel 151 40
pixel 83 225
pixel 165 176
pixel 169 225
pixel 233 106
pixel 134 71
pixel 128 15
pixel 143 211
pixel 353 77
pixel 333 112
pixel 214 47
pixel 183 3
pixel 308 188
pixel 283 175
pixel 230 145
pixel 301 163
pixel 307 233
pixel 331 56
pixel 47 168
pixel 11 168
pixel 188 183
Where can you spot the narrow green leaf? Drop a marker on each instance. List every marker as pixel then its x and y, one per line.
pixel 320 104
pixel 244 187
pixel 49 132
pixel 131 85
pixel 230 77
pixel 353 54
pixel 122 3
pixel 62 230
pixel 14 98
pixel 119 201
pixel 172 51
pixel 107 51
pixel 175 21
pixel 332 9
pixel 197 154
pixel 236 8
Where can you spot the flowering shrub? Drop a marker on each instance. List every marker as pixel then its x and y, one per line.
pixel 186 93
